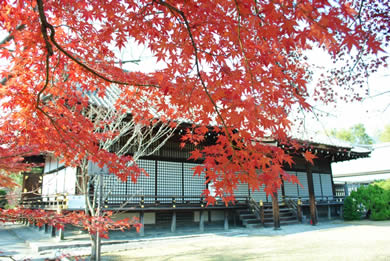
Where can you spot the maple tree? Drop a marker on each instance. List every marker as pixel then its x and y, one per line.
pixel 238 66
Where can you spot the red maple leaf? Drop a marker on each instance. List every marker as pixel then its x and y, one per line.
pixel 309 156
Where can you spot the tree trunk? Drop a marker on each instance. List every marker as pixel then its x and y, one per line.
pixel 93 248
pixel 275 210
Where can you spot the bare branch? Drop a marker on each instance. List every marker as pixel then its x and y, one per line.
pixel 46 25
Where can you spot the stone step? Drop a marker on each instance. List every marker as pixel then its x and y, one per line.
pixel 254 225
pixel 270 210
pixel 247 216
pixel 251 221
pixel 282 223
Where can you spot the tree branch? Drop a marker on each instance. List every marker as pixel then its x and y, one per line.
pixel 188 28
pixel 46 25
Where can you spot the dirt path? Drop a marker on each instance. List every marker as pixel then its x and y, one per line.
pixel 363 240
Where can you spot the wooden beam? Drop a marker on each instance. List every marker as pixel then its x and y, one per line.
pixel 312 199
pixel 275 210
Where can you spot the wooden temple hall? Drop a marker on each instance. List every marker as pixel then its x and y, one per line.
pixel 171 195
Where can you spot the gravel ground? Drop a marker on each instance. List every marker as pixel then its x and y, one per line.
pixel 363 240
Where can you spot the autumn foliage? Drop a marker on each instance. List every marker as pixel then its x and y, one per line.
pixel 237 67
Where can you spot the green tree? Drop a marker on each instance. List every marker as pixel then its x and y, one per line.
pixel 384 136
pixel 352 208
pixel 372 199
pixel 356 134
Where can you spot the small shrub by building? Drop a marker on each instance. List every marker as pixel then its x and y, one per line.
pixel 373 200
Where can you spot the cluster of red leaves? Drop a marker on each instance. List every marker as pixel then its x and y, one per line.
pixel 237 65
pixel 101 225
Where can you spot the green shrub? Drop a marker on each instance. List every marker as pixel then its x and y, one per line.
pixel 374 200
pixel 352 210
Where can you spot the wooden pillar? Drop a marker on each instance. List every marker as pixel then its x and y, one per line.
pixel 46 228
pixel 275 210
pixel 173 223
pixel 61 235
pixel 345 189
pixel 261 204
pixel 201 221
pixel 141 220
pixel 226 220
pixel 299 210
pixel 312 199
pixel 53 231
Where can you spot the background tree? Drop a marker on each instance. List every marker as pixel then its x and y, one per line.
pixel 384 136
pixel 355 135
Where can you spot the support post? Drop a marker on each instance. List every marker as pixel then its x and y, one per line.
pixel 46 228
pixel 312 199
pixel 226 220
pixel 201 221
pixel 345 189
pixel 53 231
pixel 141 220
pixel 173 224
pixel 329 211
pixel 261 204
pixel 341 211
pixel 299 210
pixel 61 235
pixel 275 210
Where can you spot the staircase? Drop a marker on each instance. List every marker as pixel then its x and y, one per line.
pixel 250 218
